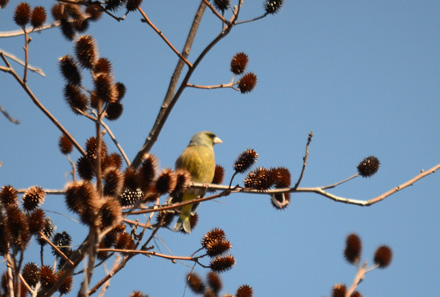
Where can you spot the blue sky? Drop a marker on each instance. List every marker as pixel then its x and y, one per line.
pixel 364 76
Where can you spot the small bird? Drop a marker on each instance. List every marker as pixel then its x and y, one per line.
pixel 199 160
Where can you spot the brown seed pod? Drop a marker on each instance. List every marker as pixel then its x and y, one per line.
pixel 353 248
pixel 75 98
pixel 22 14
pixel 273 6
pixel 92 149
pixel 282 177
pixel 244 291
pixel 67 284
pixel 339 290
pixel 383 256
pixel 124 241
pixel 47 277
pixel 245 160
pixel 218 247
pixel 58 12
pixel 38 17
pixel 36 221
pixel 67 29
pixel 17 227
pixel 133 4
pixel 222 264
pixel 183 181
pixel 368 166
pixel 222 5
pixel 33 198
pixel 105 89
pixel 213 235
pixel 113 182
pixel 94 11
pixel 114 111
pixel 239 63
pixel 219 175
pixel 86 168
pixel 86 52
pixel 121 89
pixel 280 200
pixel 356 294
pixel 31 273
pixel 110 213
pixel 70 70
pixel 195 283
pixel 165 182
pixel 147 172
pixel 113 160
pixel 65 145
pixel 80 195
pixel 8 196
pixel 130 197
pixel 259 179
pixel 102 65
pixel 247 83
pixel 214 281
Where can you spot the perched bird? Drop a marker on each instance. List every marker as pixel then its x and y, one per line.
pixel 199 160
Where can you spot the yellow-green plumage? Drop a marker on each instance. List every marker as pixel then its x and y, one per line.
pixel 199 160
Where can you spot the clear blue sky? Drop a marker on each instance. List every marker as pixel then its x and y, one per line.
pixel 364 76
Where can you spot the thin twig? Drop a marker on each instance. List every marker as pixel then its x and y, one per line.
pixel 252 20
pixel 6 114
pixel 21 62
pixel 360 275
pixel 309 139
pixel 41 107
pixel 149 253
pixel 230 85
pixel 147 20
pixel 340 182
pixel 115 141
pixel 216 12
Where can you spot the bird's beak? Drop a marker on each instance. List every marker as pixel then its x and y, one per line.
pixel 217 140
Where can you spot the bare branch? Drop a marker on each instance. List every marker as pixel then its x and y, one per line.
pixel 6 114
pixel 21 62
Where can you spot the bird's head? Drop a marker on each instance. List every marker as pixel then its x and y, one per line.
pixel 205 138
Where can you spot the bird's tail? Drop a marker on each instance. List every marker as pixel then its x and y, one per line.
pixel 184 219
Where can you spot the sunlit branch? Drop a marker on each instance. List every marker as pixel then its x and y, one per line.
pixel 149 253
pixel 21 62
pixel 216 12
pixel 6 114
pixel 304 160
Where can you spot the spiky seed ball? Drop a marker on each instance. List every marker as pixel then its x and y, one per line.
pixel 356 294
pixel 138 294
pixel 164 218
pixel 383 256
pixel 166 182
pixel 80 24
pixel 195 283
pixel 244 291
pixel 67 29
pixel 353 248
pixel 245 160
pixel 218 247
pixel 130 197
pixel 273 6
pixel 193 221
pixel 36 221
pixel 8 196
pixel 79 195
pixel 114 5
pixel 38 17
pixel 133 4
pixel 70 70
pixel 130 179
pixel 124 241
pixel 219 175
pixel 3 3
pixel 75 98
pixel 110 213
pixel 239 63
pixel 94 12
pixel 92 149
pixel 85 167
pixel 247 83
pixel 282 177
pixel 222 264
pixel 113 160
pixel 4 243
pixel 222 5
pixel 33 198
pixel 86 52
pixel 47 277
pixel 65 145
pixel 147 171
pixel 214 281
pixel 66 286
pixel 102 65
pixel 48 230
pixel 369 166
pixel 22 14
pixel 17 227
pixel 113 182
pixel 31 273
pixel 58 12
pixel 339 290
pixel 259 179
pixel 63 241
pixel 121 89
pixel 73 10
pixel 213 235
pixel 105 89
pixel 280 200
pixel 183 181
pixel 114 111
